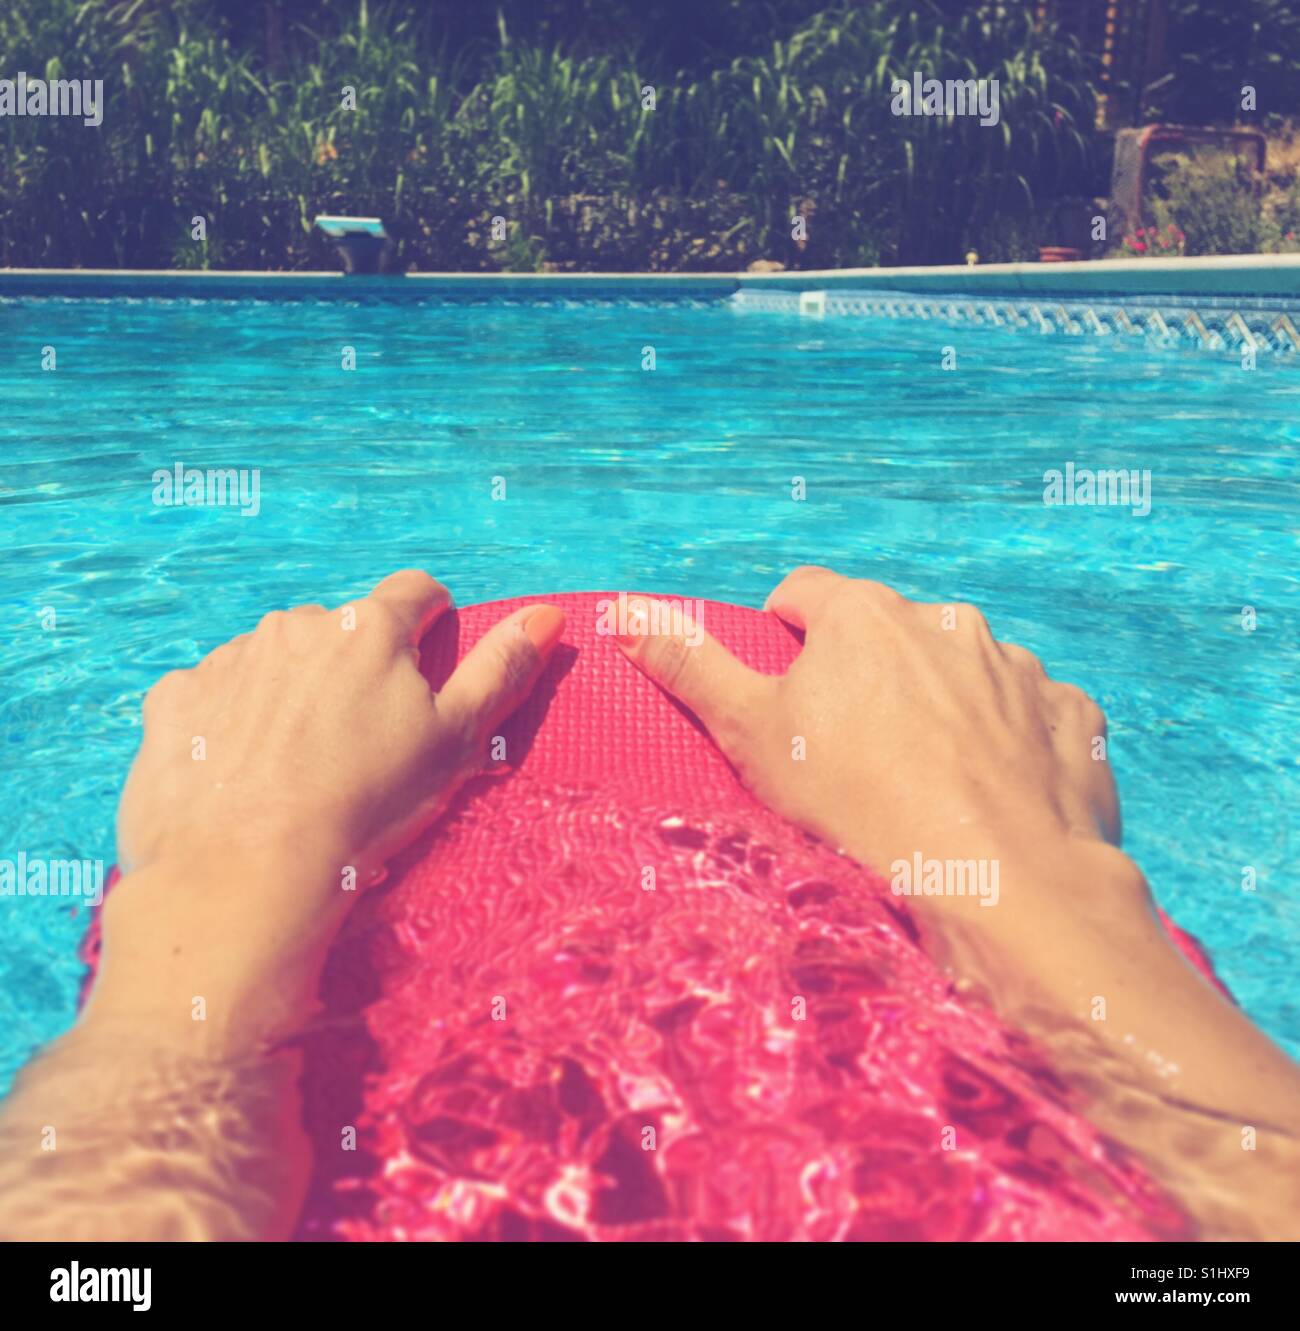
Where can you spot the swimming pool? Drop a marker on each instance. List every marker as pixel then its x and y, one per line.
pixel 677 479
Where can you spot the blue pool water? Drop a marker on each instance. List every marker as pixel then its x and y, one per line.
pixel 677 480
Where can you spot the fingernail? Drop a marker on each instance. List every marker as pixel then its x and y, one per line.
pixel 635 623
pixel 544 627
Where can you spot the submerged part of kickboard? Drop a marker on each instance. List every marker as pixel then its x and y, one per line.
pixel 612 997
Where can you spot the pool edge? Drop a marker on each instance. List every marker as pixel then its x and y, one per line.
pixel 1227 275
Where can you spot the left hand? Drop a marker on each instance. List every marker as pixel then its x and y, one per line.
pixel 274 779
pixel 318 728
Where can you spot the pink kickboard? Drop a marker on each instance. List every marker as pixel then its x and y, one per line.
pixel 612 997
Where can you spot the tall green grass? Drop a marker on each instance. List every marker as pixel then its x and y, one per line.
pixel 559 144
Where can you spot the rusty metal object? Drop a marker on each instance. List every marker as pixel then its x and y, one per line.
pixel 1134 149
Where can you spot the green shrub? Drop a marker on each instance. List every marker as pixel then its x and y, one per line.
pixel 1224 206
pixel 555 139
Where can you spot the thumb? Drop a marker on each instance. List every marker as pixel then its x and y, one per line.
pixel 678 655
pixel 499 671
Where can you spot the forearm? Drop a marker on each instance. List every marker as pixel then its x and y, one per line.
pixel 214 955
pixel 171 1110
pixel 107 1136
pixel 1168 1066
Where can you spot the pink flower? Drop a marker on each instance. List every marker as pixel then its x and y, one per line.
pixel 1139 246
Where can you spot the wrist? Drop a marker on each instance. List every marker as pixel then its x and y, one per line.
pixel 279 849
pixel 1042 933
pixel 220 955
pixel 1076 949
pixel 1045 879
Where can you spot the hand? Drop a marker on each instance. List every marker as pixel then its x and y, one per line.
pixel 284 770
pixel 920 732
pixel 319 726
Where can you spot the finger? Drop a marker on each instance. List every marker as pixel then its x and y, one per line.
pixel 499 671
pixel 415 599
pixel 223 651
pixel 801 597
pixel 694 667
pixel 1022 657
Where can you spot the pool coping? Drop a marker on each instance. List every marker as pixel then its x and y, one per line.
pixel 195 283
pixel 1243 275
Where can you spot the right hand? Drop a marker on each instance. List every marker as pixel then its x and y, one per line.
pixel 921 732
